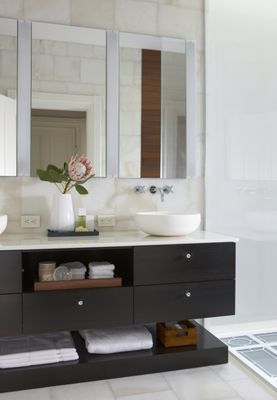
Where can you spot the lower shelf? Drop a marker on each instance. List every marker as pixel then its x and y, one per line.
pixel 208 351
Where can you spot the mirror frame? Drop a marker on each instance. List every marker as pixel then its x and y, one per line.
pixel 24 98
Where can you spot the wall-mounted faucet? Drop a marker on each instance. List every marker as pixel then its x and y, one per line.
pixel 162 190
pixel 140 189
pixel 166 189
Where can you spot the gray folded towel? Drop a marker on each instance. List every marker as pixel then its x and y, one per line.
pixel 116 340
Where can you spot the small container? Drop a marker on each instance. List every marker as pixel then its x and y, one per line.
pixel 90 223
pixel 62 273
pixel 184 333
pixel 81 223
pixel 46 270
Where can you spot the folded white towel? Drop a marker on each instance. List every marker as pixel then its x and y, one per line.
pixel 36 349
pixel 101 276
pixel 38 361
pixel 115 340
pixel 101 266
pixel 108 273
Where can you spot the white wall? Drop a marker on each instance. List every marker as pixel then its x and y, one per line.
pixel 178 18
pixel 241 185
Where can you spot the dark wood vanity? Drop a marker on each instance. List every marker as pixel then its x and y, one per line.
pixel 160 283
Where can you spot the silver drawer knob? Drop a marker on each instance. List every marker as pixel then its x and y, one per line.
pixel 188 256
pixel 188 294
pixel 80 302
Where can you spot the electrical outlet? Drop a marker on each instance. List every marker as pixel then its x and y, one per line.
pixel 106 220
pixel 30 221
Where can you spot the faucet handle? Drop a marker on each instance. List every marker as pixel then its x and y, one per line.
pixel 140 189
pixel 153 189
pixel 168 189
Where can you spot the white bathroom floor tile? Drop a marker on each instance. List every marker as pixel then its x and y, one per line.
pixel 138 385
pixel 199 384
pixel 249 389
pixel 166 395
pixel 33 394
pixel 82 391
pixel 230 371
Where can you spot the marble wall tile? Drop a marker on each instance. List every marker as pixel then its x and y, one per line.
pixel 181 22
pixel 93 71
pixel 50 10
pixel 94 13
pixel 42 67
pixel 67 69
pixel 133 16
pixel 11 9
pixel 8 62
pixel 181 18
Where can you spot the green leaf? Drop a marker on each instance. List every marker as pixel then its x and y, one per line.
pixel 87 179
pixel 43 175
pixel 81 189
pixel 51 167
pixel 56 177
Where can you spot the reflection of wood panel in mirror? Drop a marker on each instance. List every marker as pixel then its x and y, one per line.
pixel 151 114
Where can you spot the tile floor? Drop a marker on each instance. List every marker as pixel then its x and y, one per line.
pixel 230 381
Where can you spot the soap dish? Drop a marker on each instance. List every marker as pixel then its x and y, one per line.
pixel 53 233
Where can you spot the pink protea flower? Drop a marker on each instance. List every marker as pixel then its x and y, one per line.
pixel 79 168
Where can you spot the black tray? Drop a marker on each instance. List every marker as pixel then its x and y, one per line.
pixel 51 233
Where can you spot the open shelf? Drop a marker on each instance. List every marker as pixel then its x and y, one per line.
pixel 208 351
pixel 122 258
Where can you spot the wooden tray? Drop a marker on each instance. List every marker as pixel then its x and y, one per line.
pixel 171 337
pixel 51 233
pixel 77 284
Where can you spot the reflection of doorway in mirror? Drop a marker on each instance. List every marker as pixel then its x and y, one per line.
pixel 56 136
pixel 7 136
pixel 93 109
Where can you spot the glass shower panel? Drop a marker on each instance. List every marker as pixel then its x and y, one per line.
pixel 241 161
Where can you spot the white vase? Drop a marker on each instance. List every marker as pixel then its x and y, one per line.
pixel 62 214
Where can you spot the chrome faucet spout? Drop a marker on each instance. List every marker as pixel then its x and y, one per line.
pixel 161 193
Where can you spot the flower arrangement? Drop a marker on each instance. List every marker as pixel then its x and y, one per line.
pixel 72 175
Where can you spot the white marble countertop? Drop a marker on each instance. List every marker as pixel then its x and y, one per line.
pixel 105 239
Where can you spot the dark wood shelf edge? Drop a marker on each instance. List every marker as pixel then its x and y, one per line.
pixel 209 351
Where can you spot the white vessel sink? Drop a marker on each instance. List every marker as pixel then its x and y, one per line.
pixel 163 223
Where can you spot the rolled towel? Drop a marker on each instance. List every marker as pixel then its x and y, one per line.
pixel 75 267
pixel 116 340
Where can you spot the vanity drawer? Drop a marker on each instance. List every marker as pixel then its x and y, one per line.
pixel 10 314
pixel 183 263
pixel 10 272
pixel 184 301
pixel 77 309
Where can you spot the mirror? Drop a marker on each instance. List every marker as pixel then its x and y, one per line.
pixel 153 117
pixel 68 95
pixel 8 88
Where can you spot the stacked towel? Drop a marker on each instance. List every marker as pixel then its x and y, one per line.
pixel 78 270
pixel 48 348
pixel 101 270
pixel 116 340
